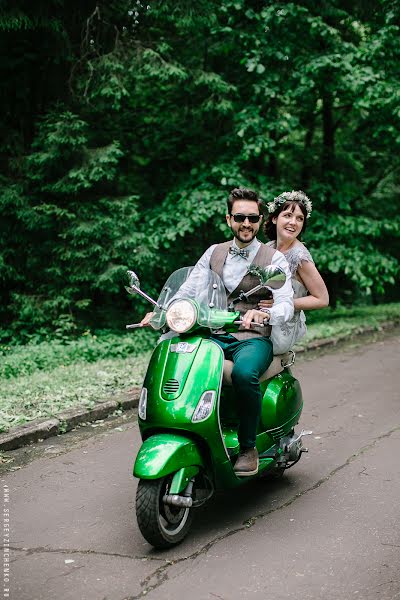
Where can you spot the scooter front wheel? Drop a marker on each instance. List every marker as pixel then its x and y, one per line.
pixel 161 525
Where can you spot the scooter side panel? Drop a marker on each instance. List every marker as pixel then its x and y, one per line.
pixel 203 372
pixel 282 402
pixel 165 453
pixel 198 371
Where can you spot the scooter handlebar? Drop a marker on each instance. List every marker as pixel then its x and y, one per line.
pixel 252 324
pixel 139 325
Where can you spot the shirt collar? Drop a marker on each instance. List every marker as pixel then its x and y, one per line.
pixel 252 247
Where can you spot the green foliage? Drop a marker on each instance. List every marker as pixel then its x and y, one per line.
pixel 361 313
pixel 85 228
pixel 126 125
pixel 343 323
pixel 19 361
pixel 359 247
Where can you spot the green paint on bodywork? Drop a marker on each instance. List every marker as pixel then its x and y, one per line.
pixel 282 401
pixel 166 453
pixel 265 463
pixel 199 371
pixel 182 478
pixel 202 372
pixel 177 369
pixel 225 319
pixel 231 437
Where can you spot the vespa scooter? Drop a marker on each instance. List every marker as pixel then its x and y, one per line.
pixel 187 413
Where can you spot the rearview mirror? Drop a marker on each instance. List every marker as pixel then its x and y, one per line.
pixel 134 288
pixel 133 279
pixel 134 283
pixel 272 277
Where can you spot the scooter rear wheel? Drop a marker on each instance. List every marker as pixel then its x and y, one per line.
pixel 161 525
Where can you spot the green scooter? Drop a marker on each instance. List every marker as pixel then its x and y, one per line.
pixel 187 413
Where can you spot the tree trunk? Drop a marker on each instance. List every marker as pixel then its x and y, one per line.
pixel 272 159
pixel 307 167
pixel 328 147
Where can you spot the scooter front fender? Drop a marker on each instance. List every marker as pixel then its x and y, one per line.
pixel 165 453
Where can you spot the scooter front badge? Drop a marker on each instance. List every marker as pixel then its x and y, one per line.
pixel 182 347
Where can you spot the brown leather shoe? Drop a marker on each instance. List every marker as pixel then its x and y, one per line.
pixel 247 463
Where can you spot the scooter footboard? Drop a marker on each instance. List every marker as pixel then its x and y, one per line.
pixel 165 453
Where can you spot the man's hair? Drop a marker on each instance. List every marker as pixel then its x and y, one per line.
pixel 244 194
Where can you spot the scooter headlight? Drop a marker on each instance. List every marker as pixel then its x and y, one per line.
pixel 204 407
pixel 142 406
pixel 181 316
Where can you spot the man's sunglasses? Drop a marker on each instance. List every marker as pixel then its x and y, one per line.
pixel 239 218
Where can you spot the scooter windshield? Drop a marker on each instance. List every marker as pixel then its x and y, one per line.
pixel 202 285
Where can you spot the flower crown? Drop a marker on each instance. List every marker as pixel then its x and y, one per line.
pixel 293 196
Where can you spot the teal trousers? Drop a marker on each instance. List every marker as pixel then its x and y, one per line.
pixel 250 359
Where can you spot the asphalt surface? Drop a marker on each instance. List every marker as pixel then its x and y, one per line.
pixel 328 529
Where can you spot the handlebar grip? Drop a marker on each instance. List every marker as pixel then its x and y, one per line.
pixel 251 324
pixel 134 326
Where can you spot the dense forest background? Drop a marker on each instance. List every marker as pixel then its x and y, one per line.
pixel 124 125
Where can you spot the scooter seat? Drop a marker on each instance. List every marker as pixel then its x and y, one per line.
pixel 277 365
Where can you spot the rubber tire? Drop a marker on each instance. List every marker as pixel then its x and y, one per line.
pixel 149 507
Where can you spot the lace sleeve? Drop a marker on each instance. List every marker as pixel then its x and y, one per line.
pixel 296 256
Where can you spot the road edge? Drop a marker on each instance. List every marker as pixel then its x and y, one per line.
pixel 36 430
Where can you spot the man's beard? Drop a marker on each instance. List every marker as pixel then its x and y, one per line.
pixel 244 241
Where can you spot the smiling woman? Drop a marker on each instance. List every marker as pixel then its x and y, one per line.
pixel 287 221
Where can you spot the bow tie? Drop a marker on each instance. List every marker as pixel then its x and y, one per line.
pixel 238 252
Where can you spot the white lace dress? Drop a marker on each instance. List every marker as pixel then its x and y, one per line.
pixel 285 335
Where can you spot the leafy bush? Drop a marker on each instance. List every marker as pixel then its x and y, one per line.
pixel 147 114
pixel 17 361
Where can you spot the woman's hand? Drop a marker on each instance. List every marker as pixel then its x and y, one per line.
pixel 266 303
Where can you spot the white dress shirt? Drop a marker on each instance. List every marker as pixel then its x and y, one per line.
pixel 235 268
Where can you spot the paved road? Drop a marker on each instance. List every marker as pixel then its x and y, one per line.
pixel 329 529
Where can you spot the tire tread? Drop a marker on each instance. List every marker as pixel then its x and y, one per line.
pixel 147 506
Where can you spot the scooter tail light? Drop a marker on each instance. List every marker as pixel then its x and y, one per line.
pixel 204 407
pixel 142 407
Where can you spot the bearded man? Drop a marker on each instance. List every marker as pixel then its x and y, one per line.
pixel 250 348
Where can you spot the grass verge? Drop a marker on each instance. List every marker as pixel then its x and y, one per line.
pixel 42 380
pixel 47 393
pixel 345 322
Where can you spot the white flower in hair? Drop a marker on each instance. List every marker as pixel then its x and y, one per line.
pixel 292 196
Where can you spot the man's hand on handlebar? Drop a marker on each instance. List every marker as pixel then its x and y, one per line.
pixel 254 316
pixel 146 319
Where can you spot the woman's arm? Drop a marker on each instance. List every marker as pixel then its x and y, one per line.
pixel 318 294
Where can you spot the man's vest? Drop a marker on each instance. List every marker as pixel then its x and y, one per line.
pixel 263 258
